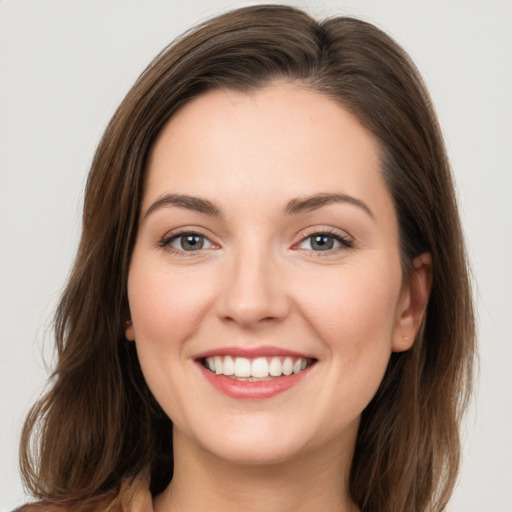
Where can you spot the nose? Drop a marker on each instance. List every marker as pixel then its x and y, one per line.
pixel 253 291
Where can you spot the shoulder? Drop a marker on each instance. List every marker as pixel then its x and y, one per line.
pixel 132 496
pixel 41 507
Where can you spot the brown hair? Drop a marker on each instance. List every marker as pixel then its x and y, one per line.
pixel 99 426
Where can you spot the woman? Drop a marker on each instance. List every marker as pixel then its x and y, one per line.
pixel 270 305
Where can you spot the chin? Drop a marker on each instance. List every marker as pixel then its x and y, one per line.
pixel 269 441
pixel 250 452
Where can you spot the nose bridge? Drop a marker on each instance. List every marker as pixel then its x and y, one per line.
pixel 253 291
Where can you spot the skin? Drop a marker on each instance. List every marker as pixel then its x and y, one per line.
pixel 257 281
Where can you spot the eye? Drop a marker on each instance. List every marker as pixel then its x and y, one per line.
pixel 324 242
pixel 187 242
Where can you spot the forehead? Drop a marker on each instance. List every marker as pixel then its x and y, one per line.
pixel 283 139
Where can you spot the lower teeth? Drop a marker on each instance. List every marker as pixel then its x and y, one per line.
pixel 249 379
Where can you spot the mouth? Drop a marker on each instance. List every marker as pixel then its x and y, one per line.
pixel 256 369
pixel 254 374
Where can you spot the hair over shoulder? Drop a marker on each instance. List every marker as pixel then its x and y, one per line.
pixel 98 427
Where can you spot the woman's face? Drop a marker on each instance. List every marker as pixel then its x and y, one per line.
pixel 267 250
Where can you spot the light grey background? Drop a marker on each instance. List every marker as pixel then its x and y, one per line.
pixel 64 67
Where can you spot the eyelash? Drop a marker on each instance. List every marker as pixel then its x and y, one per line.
pixel 169 239
pixel 345 242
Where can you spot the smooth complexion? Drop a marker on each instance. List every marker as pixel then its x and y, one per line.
pixel 266 227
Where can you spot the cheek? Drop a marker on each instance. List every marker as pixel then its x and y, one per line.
pixel 165 307
pixel 166 310
pixel 354 314
pixel 352 303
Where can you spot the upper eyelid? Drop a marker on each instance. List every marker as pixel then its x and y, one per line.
pixel 192 230
pixel 335 232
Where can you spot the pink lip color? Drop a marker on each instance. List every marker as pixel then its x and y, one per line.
pixel 252 390
pixel 251 353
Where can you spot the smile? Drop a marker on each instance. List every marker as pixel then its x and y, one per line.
pixel 254 374
pixel 256 369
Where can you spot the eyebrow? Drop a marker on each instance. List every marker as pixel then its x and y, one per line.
pixel 293 207
pixel 187 202
pixel 313 202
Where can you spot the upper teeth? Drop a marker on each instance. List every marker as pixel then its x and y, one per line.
pixel 260 367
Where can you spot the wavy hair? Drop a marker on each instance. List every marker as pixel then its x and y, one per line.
pixel 98 425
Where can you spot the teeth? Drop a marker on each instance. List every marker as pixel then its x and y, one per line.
pixel 276 368
pixel 228 366
pixel 260 368
pixel 218 365
pixel 288 366
pixel 242 367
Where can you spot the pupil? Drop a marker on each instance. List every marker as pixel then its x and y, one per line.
pixel 192 242
pixel 323 242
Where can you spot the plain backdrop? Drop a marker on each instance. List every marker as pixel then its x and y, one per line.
pixel 64 67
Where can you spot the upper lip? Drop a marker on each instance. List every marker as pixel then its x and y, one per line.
pixel 252 352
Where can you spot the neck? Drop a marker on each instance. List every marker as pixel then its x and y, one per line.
pixel 311 481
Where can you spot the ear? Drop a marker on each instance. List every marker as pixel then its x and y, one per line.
pixel 413 303
pixel 129 331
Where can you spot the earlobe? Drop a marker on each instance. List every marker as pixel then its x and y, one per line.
pixel 129 332
pixel 414 303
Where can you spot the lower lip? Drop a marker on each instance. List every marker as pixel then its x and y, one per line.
pixel 243 389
